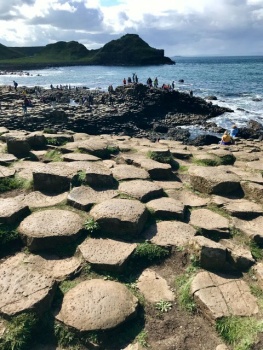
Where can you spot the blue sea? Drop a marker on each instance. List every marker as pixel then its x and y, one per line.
pixel 236 81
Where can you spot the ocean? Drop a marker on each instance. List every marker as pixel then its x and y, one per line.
pixel 237 82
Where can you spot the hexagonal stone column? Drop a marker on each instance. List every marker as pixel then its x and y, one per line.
pixel 46 229
pixel 96 305
pixel 120 217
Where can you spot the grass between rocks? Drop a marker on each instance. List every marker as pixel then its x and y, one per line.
pixel 163 159
pixel 239 332
pixel 216 161
pixel 12 183
pixel 53 156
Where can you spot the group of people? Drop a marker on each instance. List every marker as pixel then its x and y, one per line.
pixel 130 80
pixel 228 138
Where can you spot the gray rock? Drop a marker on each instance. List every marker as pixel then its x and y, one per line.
pixel 167 208
pixel 106 254
pixel 120 217
pixel 18 146
pixel 13 210
pixel 141 189
pixel 46 229
pixel 129 172
pixel 97 305
pixel 238 255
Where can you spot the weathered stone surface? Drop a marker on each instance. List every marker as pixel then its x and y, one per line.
pixel 157 171
pixel 106 254
pixel 188 198
pixel 238 255
pixel 211 255
pixel 53 266
pixel 18 146
pixel 72 157
pixel 37 140
pixel 6 172
pixel 243 208
pixel 167 208
pixel 129 172
pixel 253 191
pixel 6 158
pixel 95 147
pixel 210 222
pixel 85 197
pixel 12 210
pixel 141 189
pixel 154 287
pixel 252 228
pixel 120 216
pixel 222 296
pixel 258 271
pixel 25 169
pixel 213 180
pixel 37 199
pixel 255 165
pixel 23 288
pixel 222 347
pixel 170 233
pixel 97 305
pixel 48 228
pixel 169 185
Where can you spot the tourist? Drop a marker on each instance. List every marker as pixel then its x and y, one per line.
pixel 129 80
pixel 173 85
pixel 15 85
pixel 136 79
pixel 191 93
pixel 234 131
pixel 155 83
pixel 226 139
pixel 24 107
pixel 133 77
pixel 124 81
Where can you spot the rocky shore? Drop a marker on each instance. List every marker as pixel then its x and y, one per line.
pixel 133 110
pixel 115 242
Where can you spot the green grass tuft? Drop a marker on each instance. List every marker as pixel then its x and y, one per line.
pixel 19 331
pixel 53 156
pixel 183 285
pixel 240 332
pixel 163 306
pixel 256 251
pixel 91 225
pixel 150 252
pixel 12 183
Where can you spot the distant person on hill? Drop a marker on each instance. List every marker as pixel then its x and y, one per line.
pixel 173 85
pixel 124 81
pixel 226 139
pixel 136 79
pixel 191 93
pixel 15 85
pixel 155 83
pixel 129 80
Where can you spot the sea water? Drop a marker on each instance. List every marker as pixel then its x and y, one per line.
pixel 236 81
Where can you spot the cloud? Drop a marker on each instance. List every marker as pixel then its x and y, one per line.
pixel 186 27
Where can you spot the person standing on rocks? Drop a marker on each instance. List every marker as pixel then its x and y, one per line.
pixel 124 81
pixel 155 83
pixel 15 85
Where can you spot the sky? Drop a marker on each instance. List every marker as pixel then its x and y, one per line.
pixel 180 27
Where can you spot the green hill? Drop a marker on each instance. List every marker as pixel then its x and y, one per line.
pixel 130 49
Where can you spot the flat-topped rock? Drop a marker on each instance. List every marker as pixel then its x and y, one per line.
pixel 96 305
pixel 106 254
pixel 251 228
pixel 170 233
pixel 6 172
pixel 253 191
pixel 98 148
pixel 25 169
pixel 17 145
pixel 213 180
pixel 153 287
pixel 243 209
pixel 255 165
pixel 13 210
pixel 209 222
pixel 142 190
pixel 6 158
pixel 167 208
pixel 85 197
pixel 73 157
pixel 222 296
pixel 188 198
pixel 22 288
pixel 46 229
pixel 120 217
pixel 129 172
pixel 169 185
pixel 238 255
pixel 38 199
pixel 157 171
pixel 53 266
pixel 211 255
pixel 258 271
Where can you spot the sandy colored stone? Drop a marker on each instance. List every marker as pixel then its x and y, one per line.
pixel 157 171
pixel 188 198
pixel 98 148
pixel 85 197
pixel 129 172
pixel 242 208
pixel 120 216
pixel 255 165
pixel 25 169
pixel 211 255
pixel 169 233
pixel 37 199
pixel 96 305
pixel 51 265
pixel 48 228
pixel 141 189
pixel 13 210
pixel 153 287
pixel 6 158
pixel 210 222
pixel 223 296
pixel 106 254
pixel 6 172
pixel 23 288
pixel 213 180
pixel 72 157
pixel 238 255
pixel 252 228
pixel 253 190
pixel 169 185
pixel 167 208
